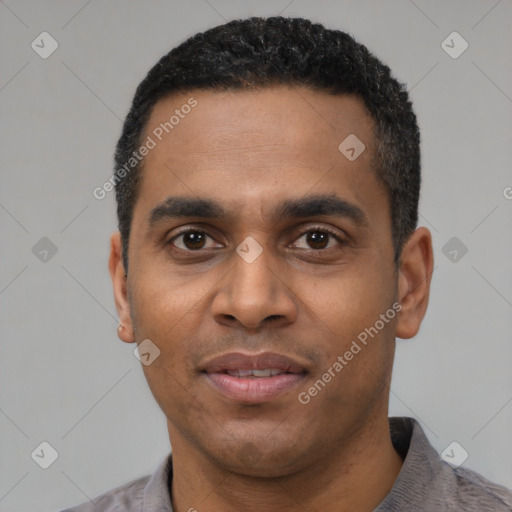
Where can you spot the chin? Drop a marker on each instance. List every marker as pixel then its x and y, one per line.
pixel 263 461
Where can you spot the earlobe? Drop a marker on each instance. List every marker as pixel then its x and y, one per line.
pixel 119 284
pixel 414 278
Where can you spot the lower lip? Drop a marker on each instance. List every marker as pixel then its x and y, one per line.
pixel 254 390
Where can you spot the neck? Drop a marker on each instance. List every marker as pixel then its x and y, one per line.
pixel 356 475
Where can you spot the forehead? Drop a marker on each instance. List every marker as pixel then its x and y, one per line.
pixel 279 114
pixel 244 147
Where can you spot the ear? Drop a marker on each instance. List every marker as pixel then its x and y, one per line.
pixel 117 274
pixel 414 277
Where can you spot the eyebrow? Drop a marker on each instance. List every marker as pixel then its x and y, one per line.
pixel 179 207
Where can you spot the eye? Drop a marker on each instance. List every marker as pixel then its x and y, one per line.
pixel 318 238
pixel 191 240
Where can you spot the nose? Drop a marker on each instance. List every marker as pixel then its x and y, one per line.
pixel 254 295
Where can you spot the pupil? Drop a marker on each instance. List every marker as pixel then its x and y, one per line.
pixel 317 238
pixel 194 240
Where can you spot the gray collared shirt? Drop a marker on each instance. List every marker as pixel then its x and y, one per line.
pixel 425 484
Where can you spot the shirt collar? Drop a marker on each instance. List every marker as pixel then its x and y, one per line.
pixel 157 491
pixel 421 463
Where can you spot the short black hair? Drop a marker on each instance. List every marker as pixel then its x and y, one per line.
pixel 260 52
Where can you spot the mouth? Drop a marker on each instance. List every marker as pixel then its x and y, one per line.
pixel 252 379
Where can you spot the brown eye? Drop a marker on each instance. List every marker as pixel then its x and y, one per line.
pixel 319 238
pixel 191 240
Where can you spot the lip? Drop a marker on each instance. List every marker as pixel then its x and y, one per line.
pixel 252 390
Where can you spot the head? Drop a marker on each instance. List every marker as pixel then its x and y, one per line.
pixel 294 247
pixel 255 53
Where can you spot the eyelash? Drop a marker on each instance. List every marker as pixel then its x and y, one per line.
pixel 312 229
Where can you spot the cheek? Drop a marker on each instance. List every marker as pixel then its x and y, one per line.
pixel 162 304
pixel 165 313
pixel 174 395
pixel 357 309
pixel 169 321
pixel 351 302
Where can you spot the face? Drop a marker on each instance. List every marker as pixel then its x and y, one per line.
pixel 259 256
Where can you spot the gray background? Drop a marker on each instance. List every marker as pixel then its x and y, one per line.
pixel 67 379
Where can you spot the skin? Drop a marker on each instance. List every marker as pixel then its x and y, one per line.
pixel 250 150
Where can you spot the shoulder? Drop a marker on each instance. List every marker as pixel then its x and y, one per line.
pixel 126 498
pixel 475 492
pixel 428 483
pixel 146 493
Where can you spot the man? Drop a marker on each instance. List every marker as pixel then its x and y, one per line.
pixel 267 181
